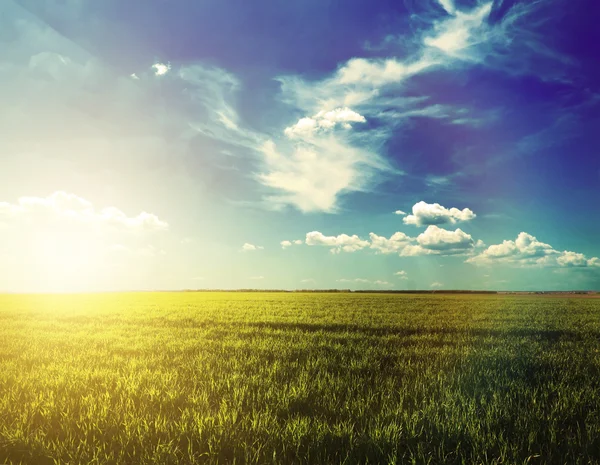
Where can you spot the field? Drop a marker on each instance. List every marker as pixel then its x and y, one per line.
pixel 165 378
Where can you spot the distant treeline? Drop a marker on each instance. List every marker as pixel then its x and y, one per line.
pixel 437 291
pixel 363 291
pixel 374 291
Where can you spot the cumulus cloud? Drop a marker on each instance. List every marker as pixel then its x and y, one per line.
pixel 66 206
pixel 436 285
pixel 526 250
pixel 439 241
pixel 401 274
pixel 433 214
pixel 247 247
pixel 433 241
pixel 395 244
pixel 340 243
pixel 324 121
pixel 436 238
pixel 286 244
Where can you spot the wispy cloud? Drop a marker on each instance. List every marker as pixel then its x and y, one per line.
pixel 311 175
pixel 378 282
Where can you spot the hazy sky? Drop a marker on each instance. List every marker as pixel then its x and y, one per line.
pixel 153 144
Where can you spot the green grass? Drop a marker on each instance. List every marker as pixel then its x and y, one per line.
pixel 164 378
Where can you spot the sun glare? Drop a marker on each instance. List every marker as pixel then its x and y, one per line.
pixel 67 261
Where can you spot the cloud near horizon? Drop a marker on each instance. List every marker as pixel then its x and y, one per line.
pixel 69 208
pixel 527 251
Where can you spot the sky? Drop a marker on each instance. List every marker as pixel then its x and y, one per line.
pixel 431 144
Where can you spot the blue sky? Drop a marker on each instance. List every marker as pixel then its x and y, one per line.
pixel 316 144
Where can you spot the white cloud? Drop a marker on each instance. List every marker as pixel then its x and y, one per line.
pixel 527 251
pixel 256 277
pixel 461 31
pixel 442 240
pixel 311 177
pixel 247 247
pixel 433 241
pixel 378 282
pixel 448 5
pixel 399 212
pixel 395 244
pixel 355 280
pixel 160 69
pixel 324 121
pixel 401 274
pixel 415 250
pixel 572 259
pixel 433 214
pixel 65 206
pixel 436 285
pixel 308 280
pixel 376 73
pixel 286 244
pixel 343 242
pixel 438 241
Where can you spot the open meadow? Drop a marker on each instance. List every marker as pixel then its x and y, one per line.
pixel 165 378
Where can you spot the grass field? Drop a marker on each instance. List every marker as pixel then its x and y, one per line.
pixel 164 378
